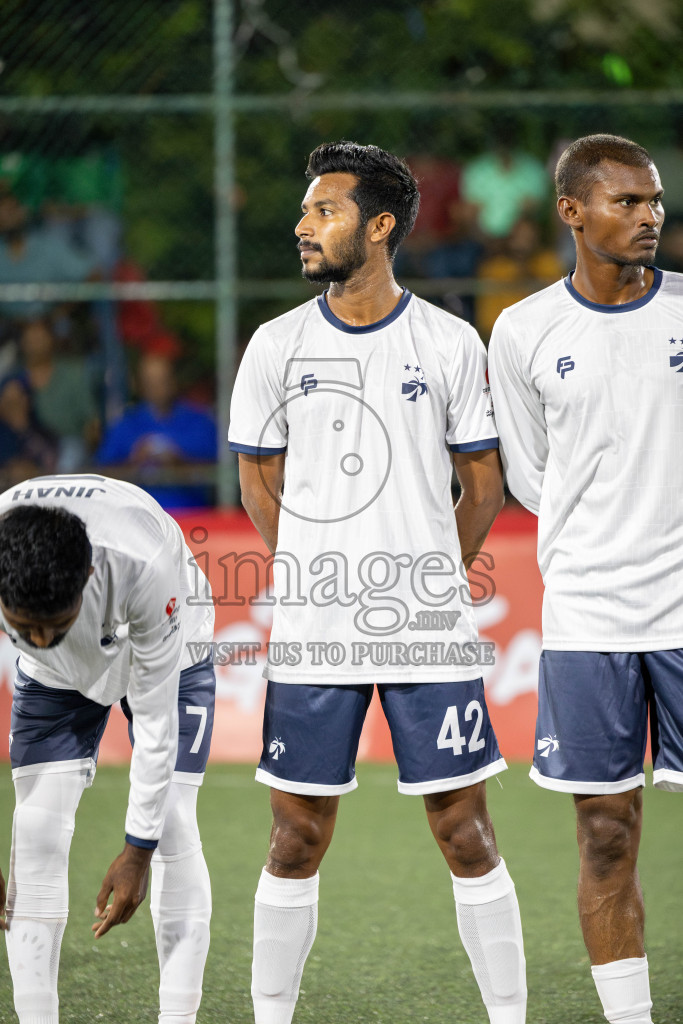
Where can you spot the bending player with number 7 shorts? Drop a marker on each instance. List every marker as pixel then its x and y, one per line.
pixel 96 595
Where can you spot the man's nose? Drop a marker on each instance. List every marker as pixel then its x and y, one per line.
pixel 303 228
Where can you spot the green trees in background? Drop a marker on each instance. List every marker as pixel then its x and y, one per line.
pixel 161 165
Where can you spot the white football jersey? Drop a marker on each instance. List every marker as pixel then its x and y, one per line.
pixel 369 584
pixel 589 406
pixel 130 637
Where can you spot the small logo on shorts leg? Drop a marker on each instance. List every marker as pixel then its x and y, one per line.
pixel 547 745
pixel 276 748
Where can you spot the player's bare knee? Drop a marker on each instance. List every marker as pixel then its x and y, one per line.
pixel 468 841
pixel 296 845
pixel 607 838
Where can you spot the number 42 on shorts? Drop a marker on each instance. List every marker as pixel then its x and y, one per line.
pixel 450 734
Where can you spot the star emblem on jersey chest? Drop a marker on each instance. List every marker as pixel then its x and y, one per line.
pixel 413 385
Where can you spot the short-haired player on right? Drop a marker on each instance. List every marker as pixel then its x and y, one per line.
pixel 587 382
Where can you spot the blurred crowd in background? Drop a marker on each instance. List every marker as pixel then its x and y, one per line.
pixel 60 223
pixel 88 194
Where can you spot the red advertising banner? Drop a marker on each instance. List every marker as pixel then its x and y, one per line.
pixel 506 588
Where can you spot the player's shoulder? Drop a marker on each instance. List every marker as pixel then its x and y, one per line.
pixel 536 305
pixel 523 323
pixel 441 325
pixel 287 326
pixel 671 283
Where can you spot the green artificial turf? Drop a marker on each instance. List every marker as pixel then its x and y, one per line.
pixel 387 949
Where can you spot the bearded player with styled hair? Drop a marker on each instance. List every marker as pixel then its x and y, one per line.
pixel 363 398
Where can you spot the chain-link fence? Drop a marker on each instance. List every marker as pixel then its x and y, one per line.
pixel 151 171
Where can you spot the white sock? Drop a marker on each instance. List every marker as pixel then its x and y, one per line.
pixel 285 923
pixel 491 932
pixel 38 890
pixel 180 902
pixel 624 990
pixel 33 952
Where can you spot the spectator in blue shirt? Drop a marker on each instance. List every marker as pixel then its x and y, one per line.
pixel 162 437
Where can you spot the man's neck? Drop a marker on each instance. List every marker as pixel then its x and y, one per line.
pixel 608 284
pixel 366 297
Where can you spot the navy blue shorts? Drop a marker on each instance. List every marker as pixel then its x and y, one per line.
pixel 591 731
pixel 53 730
pixel 441 733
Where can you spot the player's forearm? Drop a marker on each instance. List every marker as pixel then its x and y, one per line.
pixel 474 516
pixel 261 480
pixel 264 512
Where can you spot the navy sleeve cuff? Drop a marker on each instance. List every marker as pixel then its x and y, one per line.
pixel 249 449
pixel 145 844
pixel 475 446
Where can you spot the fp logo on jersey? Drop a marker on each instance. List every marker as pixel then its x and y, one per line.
pixel 308 383
pixel 564 365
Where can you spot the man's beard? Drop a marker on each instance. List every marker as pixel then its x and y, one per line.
pixel 55 642
pixel 640 261
pixel 349 257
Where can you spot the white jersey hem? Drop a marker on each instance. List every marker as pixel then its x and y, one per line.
pixel 369 678
pixel 586 788
pixel 304 788
pixel 611 646
pixel 459 782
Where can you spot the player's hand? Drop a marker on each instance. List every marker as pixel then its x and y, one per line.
pixel 3 919
pixel 127 880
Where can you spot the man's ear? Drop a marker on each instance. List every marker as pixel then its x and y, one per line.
pixel 570 212
pixel 381 227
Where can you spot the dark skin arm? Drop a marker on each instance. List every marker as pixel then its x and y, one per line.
pixel 481 478
pixel 127 878
pixel 261 478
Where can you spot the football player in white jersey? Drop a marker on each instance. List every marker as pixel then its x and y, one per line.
pixel 95 594
pixel 360 399
pixel 588 390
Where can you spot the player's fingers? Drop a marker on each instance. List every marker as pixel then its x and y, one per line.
pixel 119 912
pixel 102 916
pixel 102 897
pixel 110 917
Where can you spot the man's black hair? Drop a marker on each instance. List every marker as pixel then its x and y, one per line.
pixel 385 183
pixel 579 166
pixel 45 559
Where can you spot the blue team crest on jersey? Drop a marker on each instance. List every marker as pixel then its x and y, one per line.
pixel 676 362
pixel 416 386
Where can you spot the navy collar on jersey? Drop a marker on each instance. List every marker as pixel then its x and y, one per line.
pixel 625 307
pixel 364 328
